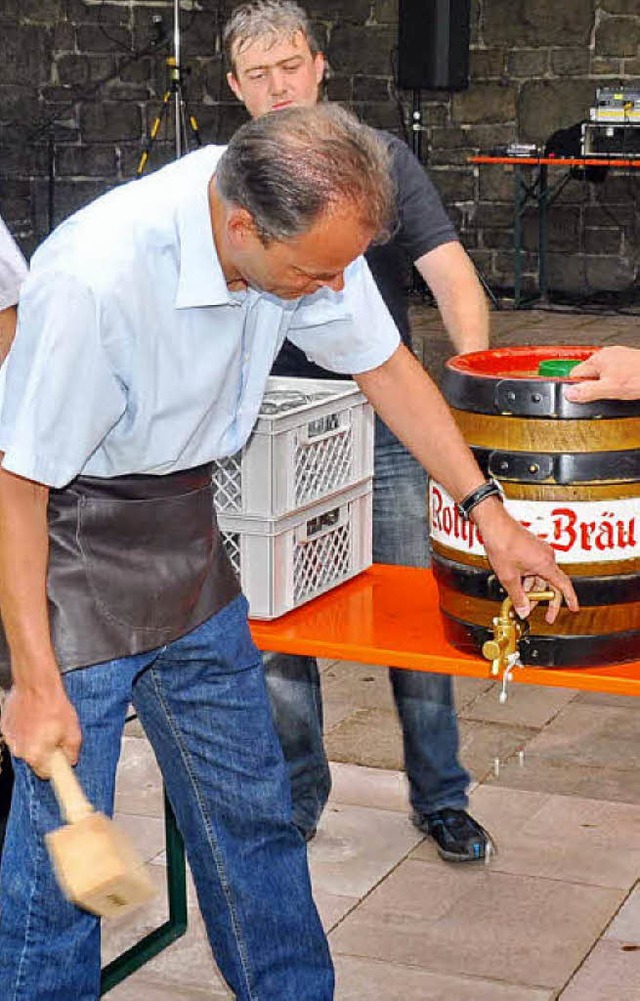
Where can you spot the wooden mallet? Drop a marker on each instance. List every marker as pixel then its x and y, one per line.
pixel 94 861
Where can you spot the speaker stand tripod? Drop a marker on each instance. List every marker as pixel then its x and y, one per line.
pixel 185 120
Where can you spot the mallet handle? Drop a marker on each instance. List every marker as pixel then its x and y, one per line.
pixel 74 805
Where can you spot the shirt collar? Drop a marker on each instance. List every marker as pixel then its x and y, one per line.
pixel 201 281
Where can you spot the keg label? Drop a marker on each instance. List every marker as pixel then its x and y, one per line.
pixel 577 531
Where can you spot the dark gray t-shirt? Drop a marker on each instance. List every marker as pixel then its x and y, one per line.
pixel 423 225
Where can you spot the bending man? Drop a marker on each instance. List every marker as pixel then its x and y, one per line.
pixel 275 63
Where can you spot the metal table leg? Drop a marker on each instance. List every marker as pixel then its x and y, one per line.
pixel 162 936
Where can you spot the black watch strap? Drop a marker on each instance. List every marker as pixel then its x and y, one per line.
pixel 489 489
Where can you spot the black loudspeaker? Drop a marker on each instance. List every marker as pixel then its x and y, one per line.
pixel 433 44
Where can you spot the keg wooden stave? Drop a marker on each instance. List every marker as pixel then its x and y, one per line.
pixel 574 473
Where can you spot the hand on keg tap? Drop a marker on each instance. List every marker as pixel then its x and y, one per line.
pixel 612 373
pixel 521 561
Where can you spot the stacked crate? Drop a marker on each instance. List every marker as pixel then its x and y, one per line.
pixel 294 505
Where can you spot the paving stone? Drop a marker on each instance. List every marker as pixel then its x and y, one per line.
pixel 567 779
pixel 526 705
pixel 360 979
pixel 138 785
pixel 591 736
pixel 356 847
pixel 369 737
pixel 625 927
pixel 610 973
pixel 478 922
pixel 370 787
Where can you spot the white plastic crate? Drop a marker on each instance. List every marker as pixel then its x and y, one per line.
pixel 317 443
pixel 283 563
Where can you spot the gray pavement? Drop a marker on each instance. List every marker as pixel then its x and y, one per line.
pixel 556 913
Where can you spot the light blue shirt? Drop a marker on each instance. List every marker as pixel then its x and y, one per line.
pixel 132 355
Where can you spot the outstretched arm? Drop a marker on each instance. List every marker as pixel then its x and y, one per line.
pixel 411 405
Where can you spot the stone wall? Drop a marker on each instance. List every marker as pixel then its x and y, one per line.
pixel 82 82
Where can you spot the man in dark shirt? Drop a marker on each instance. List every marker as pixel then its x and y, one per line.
pixel 275 63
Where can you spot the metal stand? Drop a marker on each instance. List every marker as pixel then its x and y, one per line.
pixel 176 925
pixel 175 93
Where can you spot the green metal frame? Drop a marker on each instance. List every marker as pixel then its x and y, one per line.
pixel 162 936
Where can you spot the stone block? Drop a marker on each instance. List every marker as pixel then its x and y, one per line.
pixel 617 37
pixel 486 64
pixel 587 274
pixel 110 121
pixel 497 239
pixel 607 67
pixel 485 102
pixel 484 137
pixel 138 71
pixel 24 54
pixel 449 138
pixel 617 189
pixel 94 38
pixel 564 229
pixel 63 37
pixel 605 242
pixel 538 22
pixel 74 194
pixel 619 6
pixel 569 62
pixel 495 184
pixel 449 157
pixel 494 214
pixel 74 70
pixel 361 49
pixel 368 88
pixel 528 62
pixel 339 88
pixel 89 161
pixel 379 115
pixel 385 12
pixel 547 105
pixel 454 185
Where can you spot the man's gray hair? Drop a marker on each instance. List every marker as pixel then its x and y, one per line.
pixel 289 167
pixel 267 19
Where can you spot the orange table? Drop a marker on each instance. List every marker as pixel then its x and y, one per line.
pixel 389 615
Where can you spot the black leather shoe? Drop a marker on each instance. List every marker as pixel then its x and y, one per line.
pixel 458 837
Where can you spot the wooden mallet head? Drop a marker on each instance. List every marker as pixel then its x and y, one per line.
pixel 94 861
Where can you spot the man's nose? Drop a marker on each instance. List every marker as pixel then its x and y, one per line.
pixel 277 81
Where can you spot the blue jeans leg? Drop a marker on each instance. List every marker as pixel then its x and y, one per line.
pixel 203 702
pixel 424 700
pixel 50 949
pixel 204 706
pixel 293 684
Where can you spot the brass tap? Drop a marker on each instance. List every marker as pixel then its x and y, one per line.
pixel 502 650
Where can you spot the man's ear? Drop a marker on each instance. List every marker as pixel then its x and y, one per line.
pixel 235 86
pixel 241 227
pixel 320 66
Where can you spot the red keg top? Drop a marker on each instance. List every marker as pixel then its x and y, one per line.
pixel 519 362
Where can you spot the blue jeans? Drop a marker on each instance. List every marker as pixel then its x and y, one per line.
pixel 203 704
pixel 424 700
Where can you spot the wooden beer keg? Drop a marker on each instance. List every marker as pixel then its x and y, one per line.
pixel 571 474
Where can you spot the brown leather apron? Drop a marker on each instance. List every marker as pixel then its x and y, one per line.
pixel 134 562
